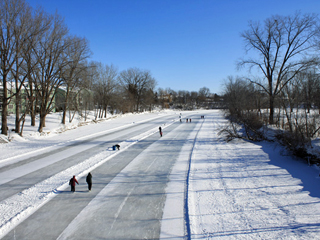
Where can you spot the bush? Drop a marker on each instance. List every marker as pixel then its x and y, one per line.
pixel 249 124
pixel 296 144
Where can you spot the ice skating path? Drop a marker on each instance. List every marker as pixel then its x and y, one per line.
pixel 126 201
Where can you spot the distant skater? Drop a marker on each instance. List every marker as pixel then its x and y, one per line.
pixel 89 181
pixel 72 183
pixel 160 131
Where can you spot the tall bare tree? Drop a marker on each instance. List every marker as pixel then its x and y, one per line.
pixel 41 23
pixel 136 83
pixel 34 24
pixel 77 52
pixel 51 59
pixel 203 95
pixel 15 31
pixel 104 86
pixel 239 96
pixel 285 47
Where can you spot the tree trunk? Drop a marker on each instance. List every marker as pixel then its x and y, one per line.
pixel 40 129
pixel 22 125
pixel 17 120
pixel 31 99
pixel 65 107
pixel 271 105
pixel 63 121
pixel 33 112
pixel 42 122
pixel 4 123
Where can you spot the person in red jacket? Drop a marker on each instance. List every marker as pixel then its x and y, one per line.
pixel 72 183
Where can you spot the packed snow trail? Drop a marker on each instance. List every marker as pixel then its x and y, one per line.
pixel 237 191
pixel 175 220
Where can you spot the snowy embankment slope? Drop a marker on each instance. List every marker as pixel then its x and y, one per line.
pixel 243 190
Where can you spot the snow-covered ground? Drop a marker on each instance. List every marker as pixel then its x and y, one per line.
pixel 235 190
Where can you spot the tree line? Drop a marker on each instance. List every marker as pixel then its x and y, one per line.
pixel 38 56
pixel 188 100
pixel 282 88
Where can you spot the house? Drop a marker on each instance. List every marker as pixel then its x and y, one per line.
pixel 12 101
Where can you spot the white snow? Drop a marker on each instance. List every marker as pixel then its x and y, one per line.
pixel 236 190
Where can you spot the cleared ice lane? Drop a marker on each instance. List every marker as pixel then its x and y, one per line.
pixel 22 175
pixel 126 201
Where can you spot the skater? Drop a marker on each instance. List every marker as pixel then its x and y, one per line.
pixel 89 181
pixel 160 131
pixel 117 146
pixel 72 183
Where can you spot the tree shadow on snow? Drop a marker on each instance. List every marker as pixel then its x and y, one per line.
pixel 297 168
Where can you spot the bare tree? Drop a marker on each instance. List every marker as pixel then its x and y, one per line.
pixel 203 95
pixel 104 86
pixel 239 96
pixel 77 52
pixel 34 23
pixel 15 32
pixel 308 81
pixel 194 99
pixel 87 89
pixel 316 96
pixel 204 92
pixel 51 58
pixel 240 100
pixel 285 47
pixel 136 83
pixel 149 99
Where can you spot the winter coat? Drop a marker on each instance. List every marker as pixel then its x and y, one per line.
pixel 89 178
pixel 73 181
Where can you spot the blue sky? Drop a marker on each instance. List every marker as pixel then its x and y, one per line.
pixel 185 44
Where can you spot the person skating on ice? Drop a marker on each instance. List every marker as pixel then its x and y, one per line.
pixel 72 183
pixel 89 181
